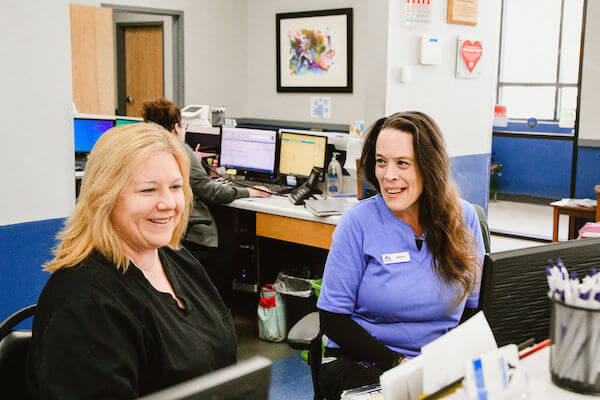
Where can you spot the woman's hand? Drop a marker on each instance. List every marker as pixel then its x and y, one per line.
pixel 263 192
pixel 401 359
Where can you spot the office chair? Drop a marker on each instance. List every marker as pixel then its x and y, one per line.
pixel 14 345
pixel 306 333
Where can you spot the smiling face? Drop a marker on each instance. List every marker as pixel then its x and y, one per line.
pixel 396 170
pixel 150 206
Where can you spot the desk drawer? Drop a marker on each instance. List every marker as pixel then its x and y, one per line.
pixel 310 233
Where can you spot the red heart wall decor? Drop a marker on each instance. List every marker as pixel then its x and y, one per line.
pixel 471 53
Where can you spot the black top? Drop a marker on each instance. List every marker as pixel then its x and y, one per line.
pixel 99 333
pixel 355 342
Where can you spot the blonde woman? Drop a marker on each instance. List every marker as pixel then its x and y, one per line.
pixel 126 311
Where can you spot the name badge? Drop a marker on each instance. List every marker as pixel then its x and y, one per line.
pixel 393 258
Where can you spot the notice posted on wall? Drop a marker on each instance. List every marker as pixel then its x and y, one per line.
pixel 469 53
pixel 320 107
pixel 417 12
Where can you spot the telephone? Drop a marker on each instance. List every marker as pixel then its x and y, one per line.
pixel 307 189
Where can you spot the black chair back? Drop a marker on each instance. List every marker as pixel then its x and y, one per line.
pixel 14 345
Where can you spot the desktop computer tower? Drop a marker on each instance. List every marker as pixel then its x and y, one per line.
pixel 245 271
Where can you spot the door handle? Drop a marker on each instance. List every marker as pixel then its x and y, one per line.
pixel 128 99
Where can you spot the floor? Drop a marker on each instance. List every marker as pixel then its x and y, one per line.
pixel 505 216
pixel 526 219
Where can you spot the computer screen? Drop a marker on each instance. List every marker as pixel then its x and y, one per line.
pixel 207 141
pixel 246 380
pixel 121 121
pixel 250 151
pixel 87 132
pixel 300 152
pixel 514 287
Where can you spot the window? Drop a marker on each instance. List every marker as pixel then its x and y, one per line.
pixel 540 42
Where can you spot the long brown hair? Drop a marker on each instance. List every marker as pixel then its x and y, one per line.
pixel 453 247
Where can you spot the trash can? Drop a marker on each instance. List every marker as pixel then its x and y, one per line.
pixel 298 294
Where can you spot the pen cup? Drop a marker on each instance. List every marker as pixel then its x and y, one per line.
pixel 575 349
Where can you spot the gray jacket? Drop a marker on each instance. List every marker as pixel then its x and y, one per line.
pixel 202 228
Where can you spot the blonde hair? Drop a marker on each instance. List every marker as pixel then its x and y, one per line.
pixel 112 164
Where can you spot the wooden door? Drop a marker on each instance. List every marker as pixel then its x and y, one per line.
pixel 92 59
pixel 143 67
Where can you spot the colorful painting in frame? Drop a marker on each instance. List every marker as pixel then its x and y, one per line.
pixel 314 51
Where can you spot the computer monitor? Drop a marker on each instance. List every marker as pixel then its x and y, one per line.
pixel 514 287
pixel 300 152
pixel 246 380
pixel 87 131
pixel 208 141
pixel 252 152
pixel 121 121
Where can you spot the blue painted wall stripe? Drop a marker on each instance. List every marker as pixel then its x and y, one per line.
pixel 537 167
pixel 24 249
pixel 588 172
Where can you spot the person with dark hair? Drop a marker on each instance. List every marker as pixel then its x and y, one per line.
pixel 403 264
pixel 213 246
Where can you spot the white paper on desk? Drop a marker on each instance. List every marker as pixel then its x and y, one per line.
pixel 404 382
pixel 353 152
pixel 444 358
pixel 591 203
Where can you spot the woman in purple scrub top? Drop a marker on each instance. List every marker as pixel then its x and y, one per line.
pixel 403 264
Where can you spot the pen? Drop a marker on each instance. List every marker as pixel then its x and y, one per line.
pixel 533 349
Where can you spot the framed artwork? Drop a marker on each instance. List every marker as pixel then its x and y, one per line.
pixel 314 51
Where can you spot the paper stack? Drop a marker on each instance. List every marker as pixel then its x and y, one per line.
pixel 327 207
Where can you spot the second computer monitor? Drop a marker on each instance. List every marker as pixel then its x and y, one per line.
pixel 300 152
pixel 252 152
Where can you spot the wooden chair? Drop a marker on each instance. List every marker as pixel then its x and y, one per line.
pixel 573 212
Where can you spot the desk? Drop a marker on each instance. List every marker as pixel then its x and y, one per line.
pixel 277 218
pixel 541 387
pixel 572 212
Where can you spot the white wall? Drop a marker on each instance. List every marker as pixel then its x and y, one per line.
pixel 215 49
pixel 462 107
pixel 36 139
pixel 589 118
pixel 369 44
pixel 36 143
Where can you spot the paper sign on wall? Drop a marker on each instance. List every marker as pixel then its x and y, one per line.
pixel 417 11
pixel 469 53
pixel 500 119
pixel 567 118
pixel 320 107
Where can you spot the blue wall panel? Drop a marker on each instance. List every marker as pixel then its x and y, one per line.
pixel 472 175
pixel 588 172
pixel 537 167
pixel 23 250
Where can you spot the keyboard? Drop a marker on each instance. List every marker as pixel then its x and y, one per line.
pixel 274 187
